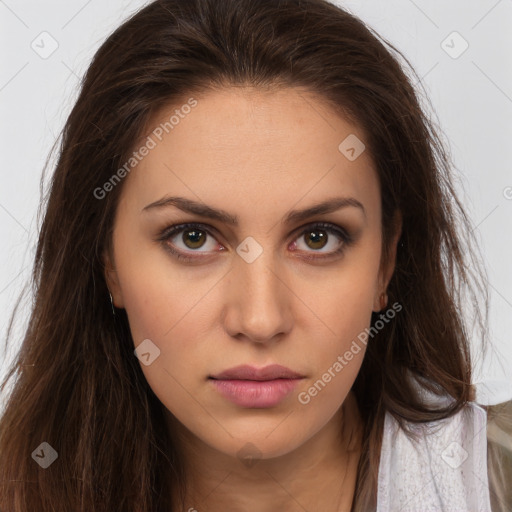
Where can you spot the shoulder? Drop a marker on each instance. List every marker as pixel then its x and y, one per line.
pixel 463 462
pixel 495 397
pixel 499 455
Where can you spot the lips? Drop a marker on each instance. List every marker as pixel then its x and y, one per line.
pixel 250 387
pixel 246 372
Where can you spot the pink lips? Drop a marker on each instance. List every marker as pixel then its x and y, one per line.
pixel 248 386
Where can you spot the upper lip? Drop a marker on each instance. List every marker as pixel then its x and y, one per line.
pixel 247 372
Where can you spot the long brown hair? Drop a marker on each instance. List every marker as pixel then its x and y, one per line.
pixel 78 386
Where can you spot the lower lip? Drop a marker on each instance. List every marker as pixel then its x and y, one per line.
pixel 256 394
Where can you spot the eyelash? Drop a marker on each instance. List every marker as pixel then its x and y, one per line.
pixel 169 231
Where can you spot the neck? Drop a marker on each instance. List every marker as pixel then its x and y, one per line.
pixel 319 475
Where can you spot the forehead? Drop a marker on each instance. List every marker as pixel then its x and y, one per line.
pixel 265 146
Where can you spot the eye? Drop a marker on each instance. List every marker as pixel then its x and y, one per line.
pixel 318 236
pixel 180 238
pixel 183 238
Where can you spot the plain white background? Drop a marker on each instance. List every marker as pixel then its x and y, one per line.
pixel 467 76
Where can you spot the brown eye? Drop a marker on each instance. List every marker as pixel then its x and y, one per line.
pixel 184 240
pixel 322 235
pixel 193 238
pixel 316 239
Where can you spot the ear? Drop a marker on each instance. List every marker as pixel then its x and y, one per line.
pixel 112 280
pixel 388 267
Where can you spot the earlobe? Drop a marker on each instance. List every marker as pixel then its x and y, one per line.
pixel 380 303
pixel 111 279
pixel 381 297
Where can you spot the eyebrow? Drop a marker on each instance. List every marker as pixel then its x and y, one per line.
pixel 203 210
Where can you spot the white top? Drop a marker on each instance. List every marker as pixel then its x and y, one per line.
pixel 446 470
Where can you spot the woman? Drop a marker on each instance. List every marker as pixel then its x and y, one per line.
pixel 249 282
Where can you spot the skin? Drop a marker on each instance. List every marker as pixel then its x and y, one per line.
pixel 256 154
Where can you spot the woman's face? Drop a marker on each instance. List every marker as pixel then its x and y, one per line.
pixel 261 285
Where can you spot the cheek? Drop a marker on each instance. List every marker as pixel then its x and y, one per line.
pixel 343 299
pixel 164 309
pixel 146 314
pixel 156 294
pixel 343 306
pixel 345 316
pixel 338 354
pixel 171 308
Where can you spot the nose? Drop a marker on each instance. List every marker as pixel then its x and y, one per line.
pixel 258 300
